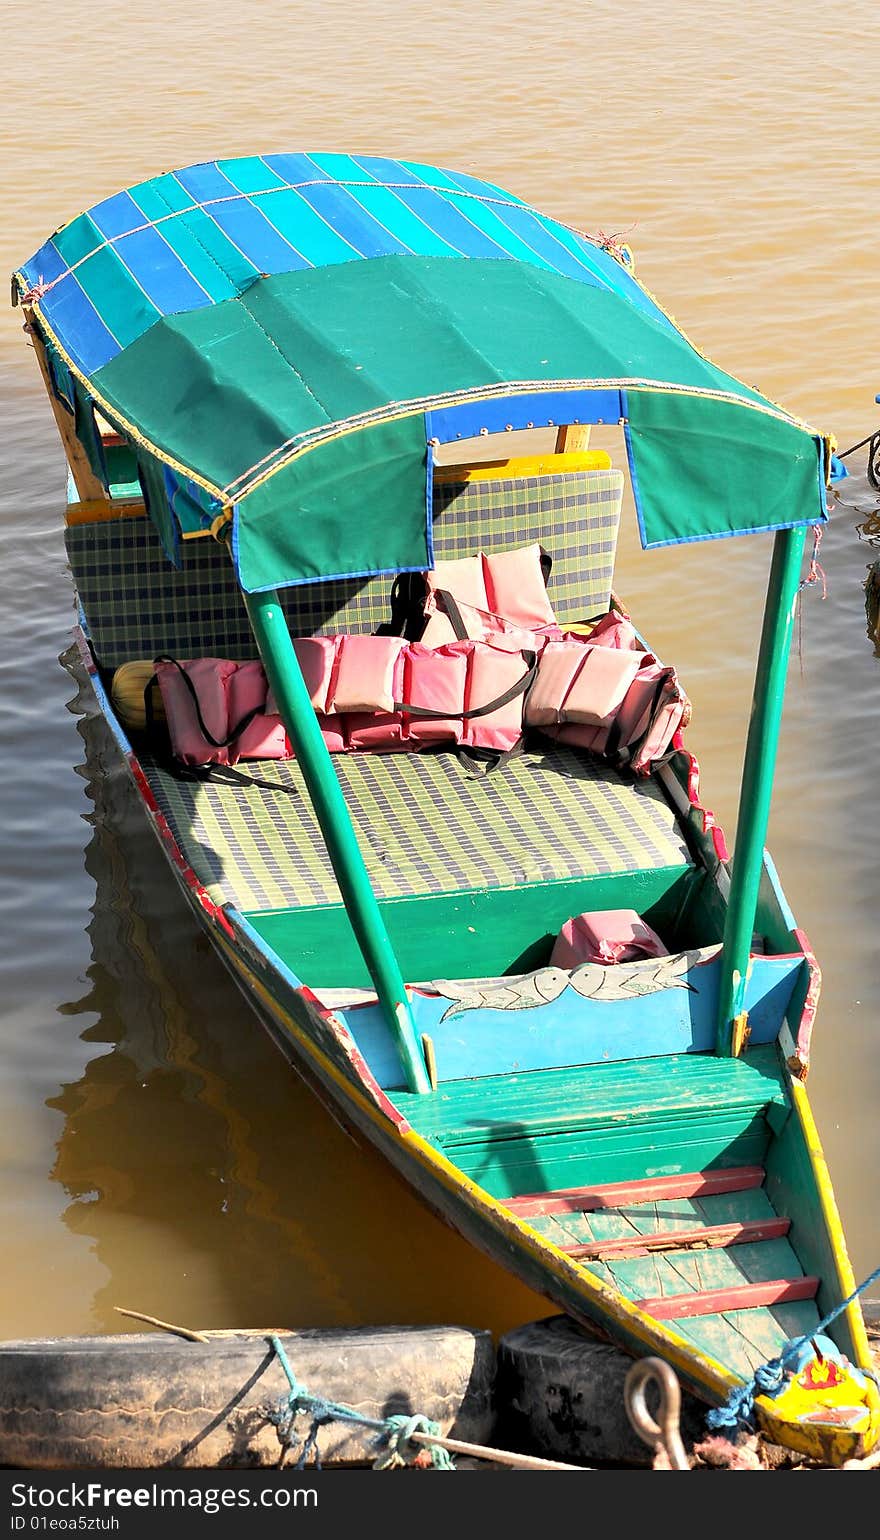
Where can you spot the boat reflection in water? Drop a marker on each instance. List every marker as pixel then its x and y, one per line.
pixel 216 1188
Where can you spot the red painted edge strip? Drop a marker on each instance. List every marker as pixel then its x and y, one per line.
pixel 710 824
pixel 799 1063
pixel 736 1234
pixel 581 1200
pixel 778 1291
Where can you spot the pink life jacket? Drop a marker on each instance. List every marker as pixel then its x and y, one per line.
pixel 492 662
pixel 605 936
pixel 197 712
pixel 405 696
pixel 499 596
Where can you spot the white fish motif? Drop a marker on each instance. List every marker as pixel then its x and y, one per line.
pixel 592 981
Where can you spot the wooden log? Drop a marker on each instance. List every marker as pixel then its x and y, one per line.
pixel 146 1401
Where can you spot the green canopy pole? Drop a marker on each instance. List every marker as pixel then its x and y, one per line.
pixel 269 626
pixel 757 782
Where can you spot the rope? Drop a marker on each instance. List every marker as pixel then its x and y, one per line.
pixel 394 1435
pixel 842 453
pixel 738 1410
pixel 815 574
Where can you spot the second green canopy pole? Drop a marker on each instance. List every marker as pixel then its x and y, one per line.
pixel 757 780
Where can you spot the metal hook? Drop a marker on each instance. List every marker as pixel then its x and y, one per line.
pixel 665 1433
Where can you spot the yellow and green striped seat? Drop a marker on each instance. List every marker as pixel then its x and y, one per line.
pixel 423 825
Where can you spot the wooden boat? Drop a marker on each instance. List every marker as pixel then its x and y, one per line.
pixel 319 361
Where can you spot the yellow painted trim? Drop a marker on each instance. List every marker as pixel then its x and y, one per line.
pixel 526 465
pixel 656 1336
pixel 846 1282
pixel 103 512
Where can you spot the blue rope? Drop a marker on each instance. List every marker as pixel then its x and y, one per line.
pixel 393 1434
pixel 738 1410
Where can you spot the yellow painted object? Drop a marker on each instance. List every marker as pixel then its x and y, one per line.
pixel 527 465
pixel 127 694
pixel 827 1411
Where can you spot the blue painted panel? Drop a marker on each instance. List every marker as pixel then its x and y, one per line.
pixel 571 1030
pixel 537 409
pixel 542 237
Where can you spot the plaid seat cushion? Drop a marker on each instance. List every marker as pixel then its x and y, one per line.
pixel 423 825
pixel 137 604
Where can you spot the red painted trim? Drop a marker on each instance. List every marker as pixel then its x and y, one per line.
pixel 681 1240
pixel 801 1061
pixel 85 652
pixel 749 1296
pixel 710 825
pixel 581 1200
pixel 173 849
pixel 352 1052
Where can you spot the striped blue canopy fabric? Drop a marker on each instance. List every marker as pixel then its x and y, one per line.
pixel 283 339
pixel 195 237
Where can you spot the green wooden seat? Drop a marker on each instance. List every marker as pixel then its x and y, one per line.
pixel 603 1123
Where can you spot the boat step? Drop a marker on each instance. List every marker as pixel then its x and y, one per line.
pixel 581 1200
pixel 747 1296
pixel 710 1237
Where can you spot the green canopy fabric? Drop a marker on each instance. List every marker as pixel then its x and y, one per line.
pixel 407 305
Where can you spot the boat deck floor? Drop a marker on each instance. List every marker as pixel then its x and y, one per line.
pixel 423 824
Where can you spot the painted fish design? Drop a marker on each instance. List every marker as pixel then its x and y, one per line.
pixel 592 981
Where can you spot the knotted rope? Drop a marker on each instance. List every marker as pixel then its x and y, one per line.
pixel 815 573
pixel 394 1435
pixel 738 1410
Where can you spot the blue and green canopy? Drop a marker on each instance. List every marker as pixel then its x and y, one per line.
pixel 287 336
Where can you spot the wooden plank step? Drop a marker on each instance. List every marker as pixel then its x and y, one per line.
pixel 748 1296
pixel 709 1236
pixel 581 1200
pixel 685 1091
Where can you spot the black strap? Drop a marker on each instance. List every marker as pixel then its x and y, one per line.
pixel 149 714
pixel 450 604
pixel 479 762
pixel 218 743
pixel 520 687
pixel 407 602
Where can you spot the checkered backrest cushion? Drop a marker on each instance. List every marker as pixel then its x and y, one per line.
pixel 138 605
